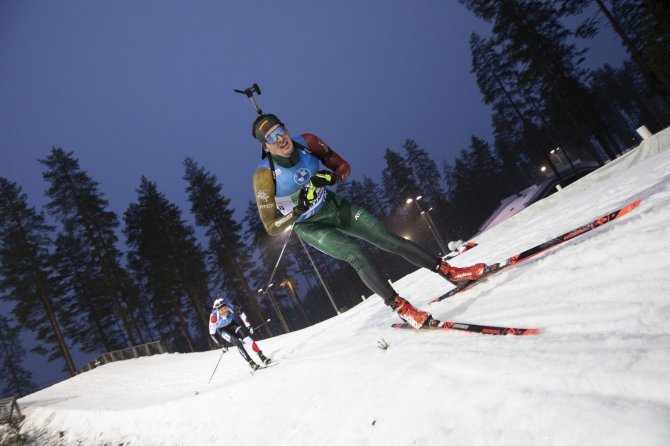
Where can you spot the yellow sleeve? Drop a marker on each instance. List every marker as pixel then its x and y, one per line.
pixel 264 190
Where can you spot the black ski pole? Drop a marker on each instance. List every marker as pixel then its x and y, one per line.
pixel 217 366
pixel 272 275
pixel 249 92
pixel 290 231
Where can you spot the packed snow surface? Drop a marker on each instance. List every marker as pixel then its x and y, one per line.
pixel 598 373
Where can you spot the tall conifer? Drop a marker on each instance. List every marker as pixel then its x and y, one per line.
pixel 170 265
pixel 87 259
pixel 229 257
pixel 26 277
pixel 15 379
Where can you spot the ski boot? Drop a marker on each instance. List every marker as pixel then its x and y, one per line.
pixel 253 365
pixel 264 358
pixel 461 276
pixel 416 318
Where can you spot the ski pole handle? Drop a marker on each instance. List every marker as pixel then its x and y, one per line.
pixel 260 325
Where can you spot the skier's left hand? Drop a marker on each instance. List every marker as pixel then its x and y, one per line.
pixel 251 329
pixel 322 178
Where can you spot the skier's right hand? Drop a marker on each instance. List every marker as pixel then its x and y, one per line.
pixel 303 203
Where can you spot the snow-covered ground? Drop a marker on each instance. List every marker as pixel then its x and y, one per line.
pixel 598 374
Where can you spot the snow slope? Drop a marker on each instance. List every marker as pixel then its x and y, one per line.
pixel 598 374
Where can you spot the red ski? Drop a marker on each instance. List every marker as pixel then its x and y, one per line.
pixel 542 247
pixel 473 328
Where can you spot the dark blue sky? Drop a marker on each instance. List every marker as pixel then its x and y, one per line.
pixel 133 87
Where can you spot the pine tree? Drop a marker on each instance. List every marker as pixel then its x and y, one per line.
pixel 544 64
pixel 399 183
pixel 16 379
pixel 490 184
pixel 644 29
pixel 170 266
pixel 475 184
pixel 212 211
pixel 425 171
pixel 514 103
pixel 638 99
pixel 619 105
pixel 364 193
pixel 88 262
pixel 429 183
pixel 26 278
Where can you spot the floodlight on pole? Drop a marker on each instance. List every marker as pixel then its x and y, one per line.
pixel 276 306
pixel 429 222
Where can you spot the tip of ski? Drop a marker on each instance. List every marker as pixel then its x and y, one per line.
pixel 626 209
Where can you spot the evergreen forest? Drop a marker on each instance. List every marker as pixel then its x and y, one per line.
pixel 103 282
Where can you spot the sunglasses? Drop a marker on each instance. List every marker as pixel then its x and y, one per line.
pixel 273 136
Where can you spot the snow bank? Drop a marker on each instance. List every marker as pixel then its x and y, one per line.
pixel 597 374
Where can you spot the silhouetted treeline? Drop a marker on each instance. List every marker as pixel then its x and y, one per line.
pixel 76 286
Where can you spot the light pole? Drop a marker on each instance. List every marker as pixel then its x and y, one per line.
pixel 429 222
pixel 558 153
pixel 290 284
pixel 276 307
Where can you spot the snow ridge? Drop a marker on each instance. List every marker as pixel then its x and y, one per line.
pixel 597 374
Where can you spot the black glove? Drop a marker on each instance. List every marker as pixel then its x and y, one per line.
pixel 219 343
pixel 305 200
pixel 323 178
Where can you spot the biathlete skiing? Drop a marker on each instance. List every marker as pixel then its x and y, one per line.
pixel 291 188
pixel 226 323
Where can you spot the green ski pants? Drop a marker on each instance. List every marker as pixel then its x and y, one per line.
pixel 327 231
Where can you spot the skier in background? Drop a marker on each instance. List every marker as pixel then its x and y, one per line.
pixel 226 323
pixel 290 181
